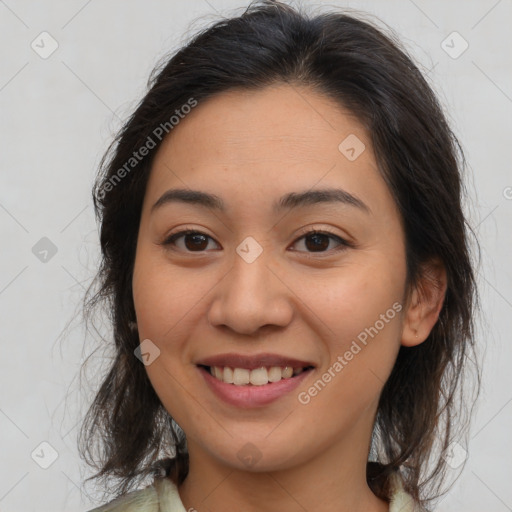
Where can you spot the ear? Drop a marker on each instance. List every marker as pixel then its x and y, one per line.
pixel 424 304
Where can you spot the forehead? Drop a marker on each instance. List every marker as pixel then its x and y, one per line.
pixel 276 122
pixel 269 141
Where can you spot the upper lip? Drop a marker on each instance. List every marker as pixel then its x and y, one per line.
pixel 252 362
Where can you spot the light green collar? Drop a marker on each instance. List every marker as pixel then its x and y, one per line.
pixel 163 496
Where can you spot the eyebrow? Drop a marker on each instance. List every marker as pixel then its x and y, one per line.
pixel 289 201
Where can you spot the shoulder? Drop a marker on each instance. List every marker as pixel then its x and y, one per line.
pixel 400 500
pixel 161 496
pixel 143 500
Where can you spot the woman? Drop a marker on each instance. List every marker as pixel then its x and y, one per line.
pixel 286 263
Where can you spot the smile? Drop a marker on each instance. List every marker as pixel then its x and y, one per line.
pixel 252 381
pixel 256 377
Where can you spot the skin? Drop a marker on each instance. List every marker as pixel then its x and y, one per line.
pixel 250 148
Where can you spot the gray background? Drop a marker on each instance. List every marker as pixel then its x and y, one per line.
pixel 58 115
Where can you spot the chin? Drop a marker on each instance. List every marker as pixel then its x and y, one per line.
pixel 257 453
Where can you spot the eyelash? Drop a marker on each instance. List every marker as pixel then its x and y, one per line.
pixel 344 244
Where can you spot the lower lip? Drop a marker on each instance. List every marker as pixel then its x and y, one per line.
pixel 252 396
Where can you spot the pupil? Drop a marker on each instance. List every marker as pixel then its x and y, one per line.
pixel 318 244
pixel 197 243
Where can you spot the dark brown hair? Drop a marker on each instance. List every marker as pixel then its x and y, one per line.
pixel 127 433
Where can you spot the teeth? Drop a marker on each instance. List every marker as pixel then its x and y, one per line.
pixel 228 375
pixel 256 377
pixel 287 372
pixel 275 374
pixel 241 376
pixel 259 376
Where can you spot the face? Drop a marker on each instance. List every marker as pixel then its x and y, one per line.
pixel 240 286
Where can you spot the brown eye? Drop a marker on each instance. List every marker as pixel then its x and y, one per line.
pixel 319 241
pixel 314 241
pixel 193 241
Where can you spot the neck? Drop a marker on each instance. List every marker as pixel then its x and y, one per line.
pixel 334 480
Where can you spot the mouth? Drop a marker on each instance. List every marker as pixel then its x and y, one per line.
pixel 253 381
pixel 255 377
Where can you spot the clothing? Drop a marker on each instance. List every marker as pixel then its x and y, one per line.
pixel 163 496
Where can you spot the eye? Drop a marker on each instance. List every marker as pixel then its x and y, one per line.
pixel 316 241
pixel 194 241
pixel 319 241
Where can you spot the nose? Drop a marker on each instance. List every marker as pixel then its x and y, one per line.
pixel 252 296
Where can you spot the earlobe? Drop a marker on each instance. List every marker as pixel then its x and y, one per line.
pixel 425 304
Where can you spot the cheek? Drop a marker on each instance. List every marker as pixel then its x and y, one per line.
pixel 360 312
pixel 165 296
pixel 165 302
pixel 362 340
pixel 349 299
